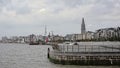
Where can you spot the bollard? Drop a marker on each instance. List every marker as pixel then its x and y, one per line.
pixel 48 55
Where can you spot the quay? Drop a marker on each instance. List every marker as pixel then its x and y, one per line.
pixel 85 55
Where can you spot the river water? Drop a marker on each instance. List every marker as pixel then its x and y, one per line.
pixel 28 56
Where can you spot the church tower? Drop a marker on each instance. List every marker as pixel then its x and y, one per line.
pixel 83 29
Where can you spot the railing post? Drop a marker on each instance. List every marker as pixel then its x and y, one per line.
pixel 63 48
pixel 67 48
pixel 99 49
pixel 105 49
pixel 92 48
pixel 72 48
pixel 112 48
pixel 119 47
pixel 85 48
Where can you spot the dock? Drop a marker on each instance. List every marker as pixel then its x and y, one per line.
pixel 85 55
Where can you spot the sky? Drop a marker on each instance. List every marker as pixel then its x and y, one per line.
pixel 24 17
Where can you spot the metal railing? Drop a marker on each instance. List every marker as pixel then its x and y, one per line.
pixel 89 48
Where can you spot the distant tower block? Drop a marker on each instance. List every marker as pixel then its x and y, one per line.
pixel 83 29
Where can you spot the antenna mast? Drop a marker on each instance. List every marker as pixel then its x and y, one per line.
pixel 45 30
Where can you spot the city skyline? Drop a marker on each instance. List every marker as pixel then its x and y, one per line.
pixel 24 17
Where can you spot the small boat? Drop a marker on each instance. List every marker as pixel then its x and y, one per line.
pixel 33 43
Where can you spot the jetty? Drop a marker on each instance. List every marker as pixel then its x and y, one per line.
pixel 85 54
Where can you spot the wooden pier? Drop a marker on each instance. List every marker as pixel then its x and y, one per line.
pixel 85 55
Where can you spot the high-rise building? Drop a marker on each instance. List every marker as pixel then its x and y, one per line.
pixel 83 29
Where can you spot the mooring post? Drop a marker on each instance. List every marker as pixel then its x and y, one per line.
pixel 111 62
pixel 48 55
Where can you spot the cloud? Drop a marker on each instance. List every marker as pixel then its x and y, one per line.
pixel 61 16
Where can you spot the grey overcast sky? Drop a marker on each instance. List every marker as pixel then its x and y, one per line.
pixel 24 17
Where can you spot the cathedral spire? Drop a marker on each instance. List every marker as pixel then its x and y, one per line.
pixel 83 29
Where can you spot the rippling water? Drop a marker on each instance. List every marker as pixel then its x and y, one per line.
pixel 26 56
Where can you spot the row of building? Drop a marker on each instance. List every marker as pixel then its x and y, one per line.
pixel 32 38
pixel 21 39
pixel 104 34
